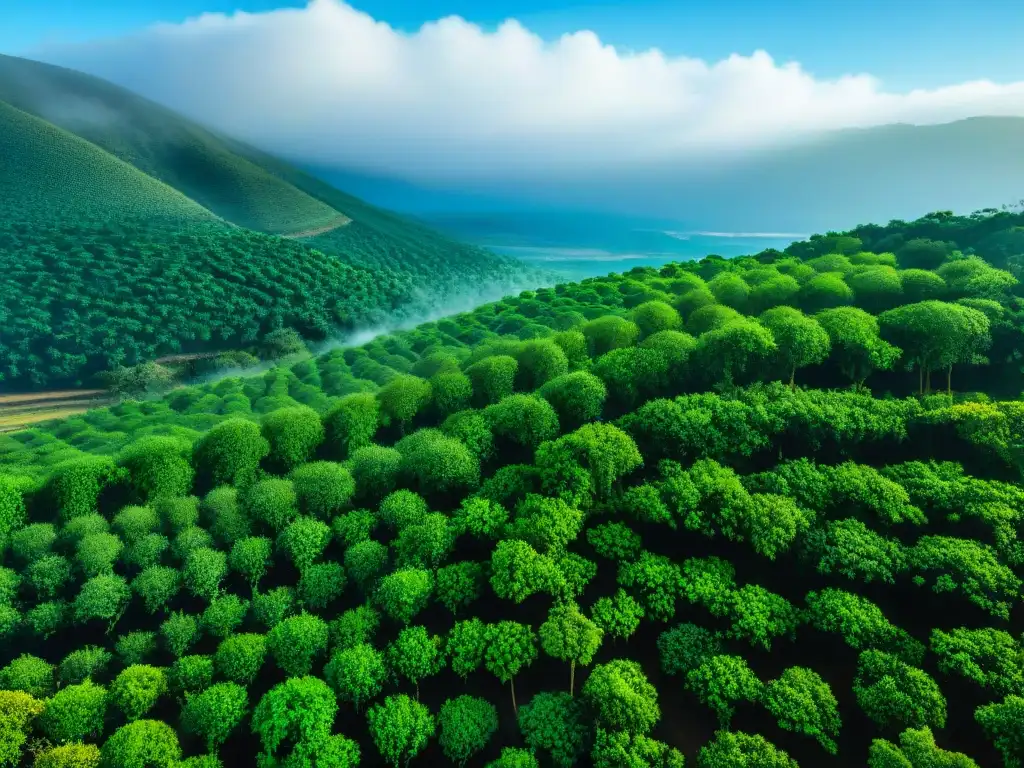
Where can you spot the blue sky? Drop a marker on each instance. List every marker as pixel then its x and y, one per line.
pixel 906 43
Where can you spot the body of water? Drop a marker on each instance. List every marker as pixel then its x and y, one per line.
pixel 576 246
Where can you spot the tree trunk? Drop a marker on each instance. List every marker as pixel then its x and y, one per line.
pixel 920 379
pixel 928 382
pixel 512 682
pixel 572 678
pixel 792 378
pixel 949 381
pixel 417 690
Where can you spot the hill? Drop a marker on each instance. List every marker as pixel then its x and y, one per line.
pixel 163 145
pixel 48 174
pixel 755 511
pixel 129 233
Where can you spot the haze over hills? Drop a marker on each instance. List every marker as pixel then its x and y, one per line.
pixel 842 179
pixel 131 232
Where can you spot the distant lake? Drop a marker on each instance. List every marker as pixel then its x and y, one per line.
pixel 576 246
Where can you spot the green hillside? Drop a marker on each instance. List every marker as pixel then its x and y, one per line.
pixel 765 511
pixel 128 232
pixel 48 174
pixel 163 145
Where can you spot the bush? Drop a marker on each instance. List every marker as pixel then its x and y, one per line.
pixel 75 713
pixel 142 744
pixel 323 488
pixel 136 690
pixel 293 435
pixel 230 453
pixel 30 674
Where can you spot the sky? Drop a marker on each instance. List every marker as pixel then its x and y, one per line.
pixel 906 43
pixel 452 92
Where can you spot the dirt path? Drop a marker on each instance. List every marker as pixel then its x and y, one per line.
pixel 341 221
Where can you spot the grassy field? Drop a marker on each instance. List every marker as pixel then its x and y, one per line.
pixel 18 411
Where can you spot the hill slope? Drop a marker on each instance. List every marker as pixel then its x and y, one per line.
pixel 128 232
pixel 163 145
pixel 48 174
pixel 611 485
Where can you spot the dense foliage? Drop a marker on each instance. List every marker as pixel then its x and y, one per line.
pixel 703 513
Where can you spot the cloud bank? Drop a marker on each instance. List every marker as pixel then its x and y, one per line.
pixel 451 102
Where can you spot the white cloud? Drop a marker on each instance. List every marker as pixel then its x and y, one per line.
pixel 331 85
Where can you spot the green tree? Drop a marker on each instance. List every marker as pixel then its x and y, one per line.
pixel 356 674
pixel 800 340
pixel 141 744
pixel 135 647
pixel 459 585
pixel 352 423
pixel 158 467
pixel 493 378
pixel 540 361
pixel 480 517
pixel 856 344
pixel 215 713
pixel 304 540
pixel 404 593
pixel 83 664
pixel 917 748
pixel 375 470
pixel 466 645
pixel 686 646
pixel 893 693
pixel 802 702
pixel 135 690
pixel 511 646
pixel 614 749
pixel 741 750
pixel 654 316
pixel 293 434
pixel 990 657
pixel 467 724
pixel 102 597
pixel 557 724
pixel 204 570
pixel 271 502
pixel 402 398
pixel 621 697
pixel 518 571
pixel 721 681
pixel 323 488
pixel 296 641
pixel 75 713
pixel 513 757
pixel 299 711
pixel 525 420
pixel 416 655
pixel 733 350
pixel 157 586
pixel 609 332
pixel 400 728
pixel 656 581
pixel 451 392
pixel 97 553
pixel 75 755
pixel 240 657
pixel 191 674
pixel 223 615
pixel 1003 724
pixel 618 616
pixel 759 616
pixel 365 561
pixel 577 397
pixel 30 674
pixel 179 632
pixel 250 557
pixel 229 454
pixel 49 575
pixel 570 636
pixel 935 335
